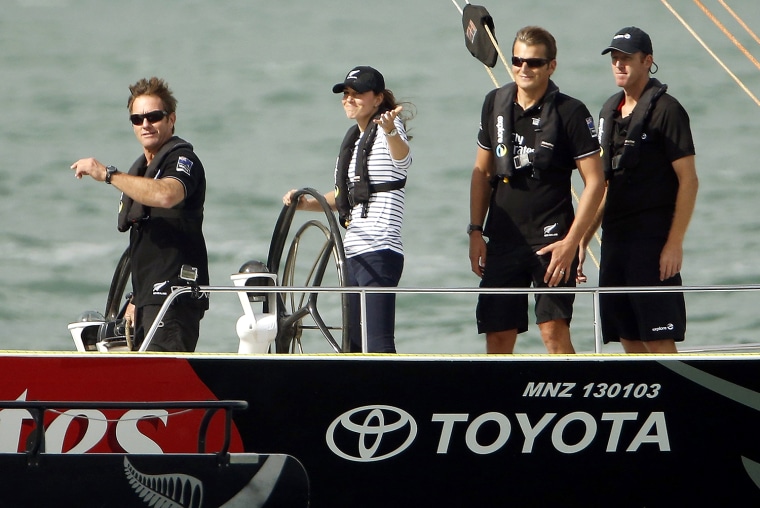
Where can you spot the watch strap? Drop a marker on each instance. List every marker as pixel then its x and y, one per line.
pixel 110 171
pixel 474 227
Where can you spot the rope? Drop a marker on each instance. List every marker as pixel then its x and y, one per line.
pixel 727 33
pixel 596 234
pixel 740 21
pixel 498 50
pixel 720 62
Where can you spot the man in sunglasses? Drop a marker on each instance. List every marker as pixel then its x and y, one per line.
pixel 162 207
pixel 531 139
pixel 648 159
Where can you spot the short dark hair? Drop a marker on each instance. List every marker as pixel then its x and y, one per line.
pixel 156 87
pixel 535 35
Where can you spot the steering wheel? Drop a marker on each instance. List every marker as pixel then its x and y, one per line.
pixel 314 248
pixel 114 301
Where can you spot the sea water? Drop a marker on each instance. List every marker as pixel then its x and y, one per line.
pixel 253 80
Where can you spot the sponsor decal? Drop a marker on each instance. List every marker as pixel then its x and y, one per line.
pixel 371 433
pixel 501 150
pixel 472 31
pixel 666 328
pixel 184 164
pixel 601 129
pixel 77 430
pixel 360 434
pixel 551 230
pixel 157 288
pixel 170 490
pixel 591 128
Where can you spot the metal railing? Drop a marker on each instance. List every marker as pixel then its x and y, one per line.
pixel 38 408
pixel 595 292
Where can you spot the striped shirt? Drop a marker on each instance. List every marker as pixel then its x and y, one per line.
pixel 381 229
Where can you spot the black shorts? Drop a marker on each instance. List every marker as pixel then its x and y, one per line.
pixel 638 316
pixel 519 267
pixel 178 330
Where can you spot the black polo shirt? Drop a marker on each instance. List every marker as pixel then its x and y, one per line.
pixel 537 211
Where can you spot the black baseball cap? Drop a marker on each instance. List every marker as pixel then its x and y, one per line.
pixel 362 79
pixel 630 40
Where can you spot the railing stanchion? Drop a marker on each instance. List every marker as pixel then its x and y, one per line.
pixel 597 323
pixel 363 305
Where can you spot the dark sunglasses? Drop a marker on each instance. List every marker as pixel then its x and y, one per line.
pixel 152 117
pixel 533 63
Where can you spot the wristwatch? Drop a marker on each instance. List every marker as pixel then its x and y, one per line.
pixel 392 133
pixel 110 171
pixel 474 227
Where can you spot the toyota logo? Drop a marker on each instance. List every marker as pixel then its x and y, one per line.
pixel 371 433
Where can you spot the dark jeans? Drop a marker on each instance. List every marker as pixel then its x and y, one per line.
pixel 374 269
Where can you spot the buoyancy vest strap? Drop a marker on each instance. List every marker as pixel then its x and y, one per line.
pixel 502 131
pixel 130 211
pixel 358 191
pixel 341 175
pixel 629 157
pixel 387 186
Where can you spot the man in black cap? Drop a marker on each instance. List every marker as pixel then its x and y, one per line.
pixel 648 157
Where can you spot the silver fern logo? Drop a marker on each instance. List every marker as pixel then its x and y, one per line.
pixel 551 230
pixel 165 490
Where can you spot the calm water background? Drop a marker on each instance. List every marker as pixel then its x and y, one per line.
pixel 253 82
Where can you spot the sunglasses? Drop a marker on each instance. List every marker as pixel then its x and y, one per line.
pixel 152 117
pixel 533 63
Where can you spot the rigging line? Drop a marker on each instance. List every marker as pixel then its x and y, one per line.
pixel 498 50
pixel 740 21
pixel 727 33
pixel 720 62
pixel 596 233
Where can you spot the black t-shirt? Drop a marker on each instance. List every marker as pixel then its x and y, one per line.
pixel 641 201
pixel 161 245
pixel 538 211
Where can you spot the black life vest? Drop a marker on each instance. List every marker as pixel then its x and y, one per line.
pixel 616 164
pixel 546 132
pixel 130 211
pixel 348 194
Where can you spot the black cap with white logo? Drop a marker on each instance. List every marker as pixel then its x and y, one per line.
pixel 630 40
pixel 362 79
